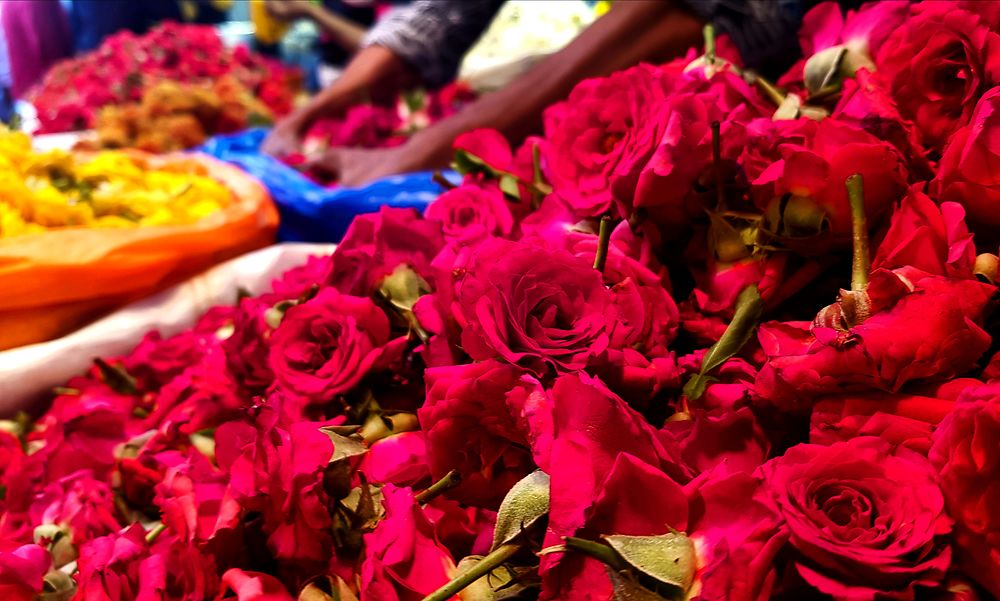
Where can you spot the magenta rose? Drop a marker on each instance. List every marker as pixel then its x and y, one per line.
pixel 965 453
pixel 22 569
pixel 937 63
pixel 326 345
pixel 404 561
pixel 865 520
pixel 471 212
pixel 471 420
pixel 811 160
pixel 376 243
pixel 607 128
pixel 298 280
pixel 967 173
pixel 534 307
pixel 248 346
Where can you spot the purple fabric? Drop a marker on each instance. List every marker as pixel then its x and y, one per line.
pixel 37 35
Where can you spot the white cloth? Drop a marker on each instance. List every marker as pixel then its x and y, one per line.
pixel 28 373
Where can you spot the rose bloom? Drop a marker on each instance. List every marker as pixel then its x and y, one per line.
pixel 967 172
pixel 965 453
pixel 864 520
pixel 21 571
pixel 470 419
pixel 247 347
pixel 607 127
pixel 938 62
pixel 324 346
pixel 812 159
pixel 534 307
pixel 471 212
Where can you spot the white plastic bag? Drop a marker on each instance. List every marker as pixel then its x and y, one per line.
pixel 29 372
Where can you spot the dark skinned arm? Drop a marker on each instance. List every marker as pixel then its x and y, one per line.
pixel 631 32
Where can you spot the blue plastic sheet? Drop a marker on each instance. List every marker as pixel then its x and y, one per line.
pixel 311 212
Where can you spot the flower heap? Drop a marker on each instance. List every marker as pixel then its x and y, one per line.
pixel 110 189
pixel 120 71
pixel 704 339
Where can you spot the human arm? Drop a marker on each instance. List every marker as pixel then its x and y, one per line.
pixel 629 33
pixel 342 31
pixel 422 43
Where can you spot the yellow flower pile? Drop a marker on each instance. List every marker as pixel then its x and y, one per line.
pixel 109 189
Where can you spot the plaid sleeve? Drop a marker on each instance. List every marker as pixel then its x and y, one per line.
pixel 432 36
pixel 764 31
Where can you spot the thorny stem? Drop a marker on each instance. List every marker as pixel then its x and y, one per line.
pixel 603 242
pixel 449 481
pixel 487 564
pixel 862 262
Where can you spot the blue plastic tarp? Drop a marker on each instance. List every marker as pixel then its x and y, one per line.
pixel 311 212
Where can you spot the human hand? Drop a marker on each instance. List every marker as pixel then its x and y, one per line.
pixel 359 166
pixel 283 139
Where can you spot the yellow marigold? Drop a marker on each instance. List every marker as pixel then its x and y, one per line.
pixel 109 189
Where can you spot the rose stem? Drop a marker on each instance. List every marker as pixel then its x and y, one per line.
pixel 486 565
pixel 862 263
pixel 717 164
pixel 602 553
pixel 774 94
pixel 709 34
pixel 603 241
pixel 155 533
pixel 449 481
pixel 439 179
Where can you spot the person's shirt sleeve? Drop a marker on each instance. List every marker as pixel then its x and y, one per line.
pixel 764 31
pixel 432 36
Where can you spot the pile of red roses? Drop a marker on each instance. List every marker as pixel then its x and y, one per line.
pixel 125 65
pixel 704 339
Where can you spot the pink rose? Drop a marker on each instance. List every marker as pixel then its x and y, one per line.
pixel 254 586
pixel 967 174
pixel 376 243
pixel 471 212
pixel 298 280
pixel 326 345
pixel 21 572
pixel 811 161
pixel 965 454
pixel 156 361
pixel 605 130
pixel 864 520
pixel 471 420
pixel 403 559
pixel 534 307
pixel 78 503
pixel 248 346
pixel 937 63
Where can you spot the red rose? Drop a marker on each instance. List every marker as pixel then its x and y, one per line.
pixel 156 361
pixel 965 455
pixel 864 520
pixel 471 212
pixel 21 572
pixel 937 64
pixel 929 332
pixel 534 307
pixel 403 559
pixel 78 503
pixel 605 130
pixel 471 421
pixel 376 243
pixel 901 419
pixel 811 160
pixel 297 281
pixel 247 347
pixel 326 345
pixel 967 173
